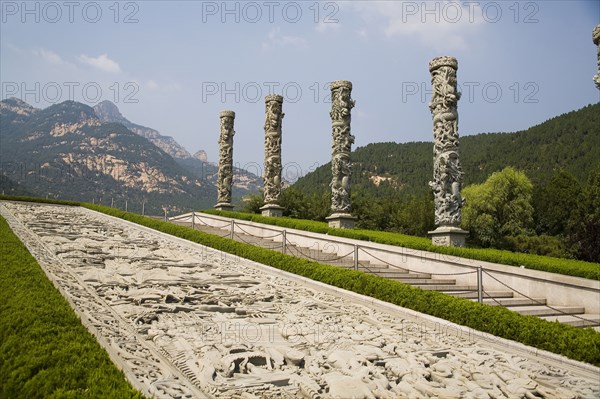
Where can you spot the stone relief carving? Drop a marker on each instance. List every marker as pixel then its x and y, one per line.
pixel 341 167
pixel 187 321
pixel 596 39
pixel 272 172
pixel 447 171
pixel 225 179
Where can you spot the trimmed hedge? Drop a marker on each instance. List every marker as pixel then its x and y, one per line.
pixel 39 200
pixel 569 267
pixel 45 351
pixel 575 343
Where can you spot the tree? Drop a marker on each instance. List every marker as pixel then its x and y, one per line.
pixel 498 208
pixel 585 236
pixel 252 202
pixel 556 204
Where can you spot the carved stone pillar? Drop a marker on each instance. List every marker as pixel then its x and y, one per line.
pixel 341 167
pixel 596 38
pixel 225 177
pixel 272 167
pixel 447 172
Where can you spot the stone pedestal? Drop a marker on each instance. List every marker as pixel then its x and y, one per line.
pixel 341 221
pixel 272 210
pixel 448 236
pixel 224 206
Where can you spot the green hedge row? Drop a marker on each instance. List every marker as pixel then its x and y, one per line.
pixel 569 267
pixel 575 343
pixel 39 200
pixel 45 351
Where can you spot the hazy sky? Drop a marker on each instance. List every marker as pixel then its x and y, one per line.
pixel 174 66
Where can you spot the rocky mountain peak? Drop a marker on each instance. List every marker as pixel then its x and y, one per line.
pixel 201 156
pixel 18 106
pixel 109 112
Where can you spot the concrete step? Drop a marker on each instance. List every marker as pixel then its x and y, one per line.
pixel 591 320
pixel 546 311
pixel 487 294
pixel 421 283
pixel 513 301
pixel 402 275
pixel 446 288
pixel 413 277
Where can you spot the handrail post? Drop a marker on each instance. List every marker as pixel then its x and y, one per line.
pixel 193 220
pixel 355 257
pixel 232 228
pixel 479 284
pixel 283 241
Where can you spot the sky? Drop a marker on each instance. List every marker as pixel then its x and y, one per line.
pixel 174 65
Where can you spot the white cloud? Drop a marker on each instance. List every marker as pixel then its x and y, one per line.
pixel 276 39
pixel 441 25
pixel 49 56
pixel 101 62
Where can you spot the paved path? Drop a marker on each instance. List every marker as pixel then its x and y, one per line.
pixel 185 321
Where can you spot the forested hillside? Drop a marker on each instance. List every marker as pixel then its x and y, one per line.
pixel 570 142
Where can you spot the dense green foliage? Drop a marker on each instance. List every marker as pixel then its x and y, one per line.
pixel 578 344
pixel 409 214
pixel 568 267
pixel 570 141
pixel 45 351
pixel 498 208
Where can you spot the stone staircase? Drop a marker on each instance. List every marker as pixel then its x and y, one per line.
pixel 572 315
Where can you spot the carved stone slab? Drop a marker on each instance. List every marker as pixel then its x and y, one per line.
pixel 186 321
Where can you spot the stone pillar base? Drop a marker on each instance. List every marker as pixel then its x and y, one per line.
pixel 448 236
pixel 224 206
pixel 341 221
pixel 272 210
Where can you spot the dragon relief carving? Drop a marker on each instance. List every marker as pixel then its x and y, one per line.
pixel 341 166
pixel 225 173
pixel 272 171
pixel 447 171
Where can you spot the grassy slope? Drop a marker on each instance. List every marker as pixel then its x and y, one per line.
pixel 45 351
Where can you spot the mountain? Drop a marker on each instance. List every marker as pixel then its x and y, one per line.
pixel 197 165
pixel 570 141
pixel 108 112
pixel 201 156
pixel 66 151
